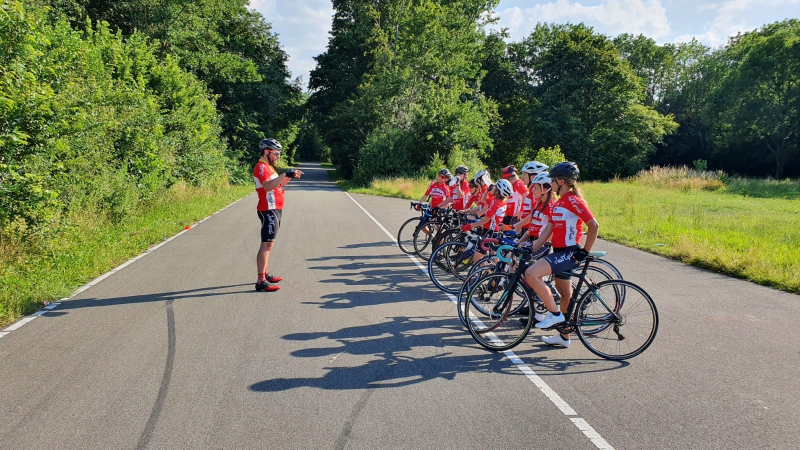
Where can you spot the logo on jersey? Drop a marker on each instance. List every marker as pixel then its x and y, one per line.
pixel 576 204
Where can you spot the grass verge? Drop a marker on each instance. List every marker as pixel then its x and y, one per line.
pixel 717 226
pixel 33 272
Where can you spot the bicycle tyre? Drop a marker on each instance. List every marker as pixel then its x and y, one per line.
pixel 498 329
pixel 405 236
pixel 423 242
pixel 611 269
pixel 595 275
pixel 636 315
pixel 475 273
pixel 446 265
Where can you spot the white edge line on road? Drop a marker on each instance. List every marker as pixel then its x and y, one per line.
pixel 16 325
pixel 556 399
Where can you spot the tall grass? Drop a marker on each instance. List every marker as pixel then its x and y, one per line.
pixel 747 237
pixel 687 179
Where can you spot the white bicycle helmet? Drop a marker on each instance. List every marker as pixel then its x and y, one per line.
pixel 504 188
pixel 533 168
pixel 483 175
pixel 542 178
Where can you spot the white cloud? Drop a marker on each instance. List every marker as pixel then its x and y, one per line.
pixel 736 16
pixel 302 27
pixel 610 17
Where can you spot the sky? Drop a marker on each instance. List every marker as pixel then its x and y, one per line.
pixel 302 25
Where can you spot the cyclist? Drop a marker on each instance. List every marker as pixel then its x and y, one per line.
pixel 269 187
pixel 529 171
pixel 460 192
pixel 493 218
pixel 514 208
pixel 483 196
pixel 439 191
pixel 565 225
pixel 471 197
pixel 542 209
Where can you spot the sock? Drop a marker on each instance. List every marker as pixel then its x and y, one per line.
pixel 262 277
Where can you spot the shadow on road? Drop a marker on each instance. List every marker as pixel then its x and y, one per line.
pixel 392 343
pixel 373 282
pixel 212 291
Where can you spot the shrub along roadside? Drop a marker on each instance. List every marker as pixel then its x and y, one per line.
pixel 32 271
pixel 751 238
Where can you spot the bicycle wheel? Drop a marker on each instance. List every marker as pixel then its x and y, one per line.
pixel 405 237
pixel 449 235
pixel 449 265
pixel 485 266
pixel 488 309
pixel 595 276
pixel 423 239
pixel 624 332
pixel 609 268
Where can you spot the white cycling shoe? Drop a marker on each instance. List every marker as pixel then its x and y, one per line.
pixel 556 340
pixel 551 319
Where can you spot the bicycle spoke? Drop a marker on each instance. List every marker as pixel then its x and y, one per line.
pixel 626 332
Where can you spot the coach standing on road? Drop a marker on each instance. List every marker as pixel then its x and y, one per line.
pixel 269 187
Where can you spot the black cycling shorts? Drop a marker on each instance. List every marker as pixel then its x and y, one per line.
pixel 561 261
pixel 270 224
pixel 510 220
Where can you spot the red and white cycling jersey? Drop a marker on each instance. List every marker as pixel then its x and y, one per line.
pixel 496 212
pixel 527 206
pixel 273 199
pixel 438 192
pixel 569 214
pixel 460 201
pixel 517 198
pixel 540 217
pixel 489 197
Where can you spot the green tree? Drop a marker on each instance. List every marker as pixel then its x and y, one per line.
pixel 757 105
pixel 223 43
pixel 587 100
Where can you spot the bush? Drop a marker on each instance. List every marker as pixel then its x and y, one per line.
pixel 89 121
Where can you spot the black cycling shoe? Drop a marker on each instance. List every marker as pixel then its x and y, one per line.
pixel 273 278
pixel 264 286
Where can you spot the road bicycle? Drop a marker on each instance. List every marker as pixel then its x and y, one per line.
pixel 450 262
pixel 417 234
pixel 490 264
pixel 614 319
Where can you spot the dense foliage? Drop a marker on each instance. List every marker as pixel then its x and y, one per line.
pixel 405 86
pixel 104 104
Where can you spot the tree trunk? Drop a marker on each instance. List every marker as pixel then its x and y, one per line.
pixel 777 152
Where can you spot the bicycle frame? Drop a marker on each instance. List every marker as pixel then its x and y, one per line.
pixel 571 312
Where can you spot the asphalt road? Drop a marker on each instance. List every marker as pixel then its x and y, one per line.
pixel 359 350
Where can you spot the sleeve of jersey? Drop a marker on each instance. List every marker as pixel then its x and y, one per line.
pixel 428 192
pixel 582 209
pixel 260 173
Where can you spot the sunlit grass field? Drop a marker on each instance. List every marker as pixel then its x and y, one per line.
pixel 747 228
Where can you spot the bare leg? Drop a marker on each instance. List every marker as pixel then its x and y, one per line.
pixel 262 258
pixel 564 288
pixel 533 276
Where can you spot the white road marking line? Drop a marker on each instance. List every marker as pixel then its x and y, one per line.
pixel 86 286
pixel 594 436
pixel 556 399
pixel 20 323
